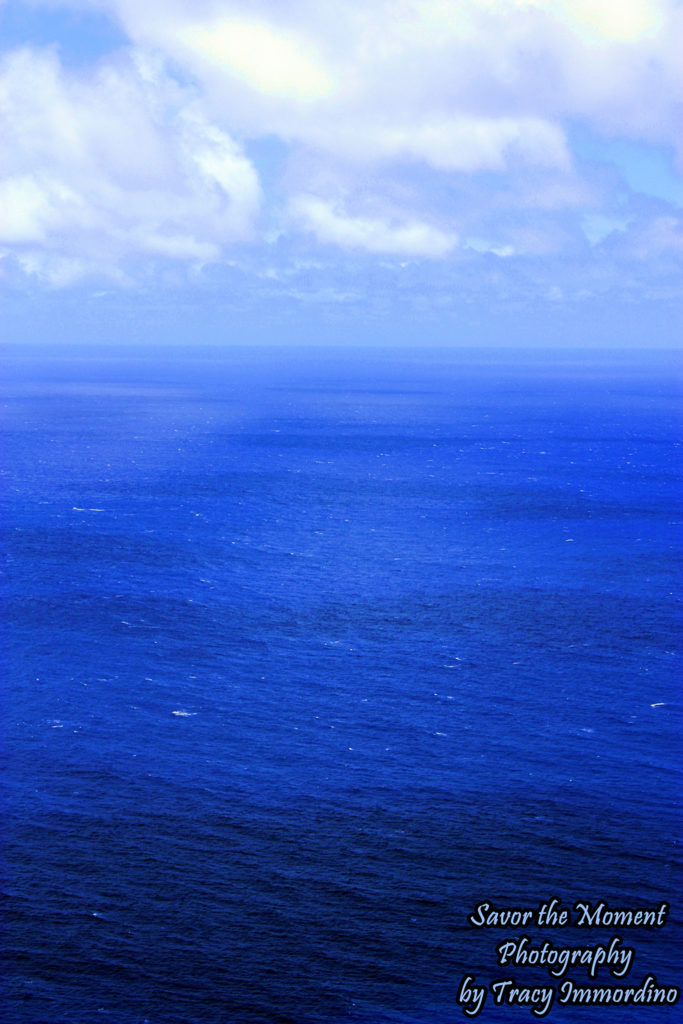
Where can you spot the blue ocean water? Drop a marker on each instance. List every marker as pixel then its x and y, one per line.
pixel 309 653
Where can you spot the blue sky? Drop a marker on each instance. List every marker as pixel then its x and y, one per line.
pixel 419 171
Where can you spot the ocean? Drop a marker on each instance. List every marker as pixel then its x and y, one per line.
pixel 310 653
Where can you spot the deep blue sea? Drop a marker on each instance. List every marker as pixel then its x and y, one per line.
pixel 311 652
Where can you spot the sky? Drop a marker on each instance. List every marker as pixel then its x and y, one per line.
pixel 447 172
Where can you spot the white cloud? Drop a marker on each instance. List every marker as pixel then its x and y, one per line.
pixel 424 61
pixel 470 144
pixel 266 60
pixel 420 114
pixel 120 163
pixel 29 208
pixel 605 21
pixel 59 271
pixel 410 238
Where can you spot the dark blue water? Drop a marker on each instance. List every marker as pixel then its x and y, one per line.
pixel 309 653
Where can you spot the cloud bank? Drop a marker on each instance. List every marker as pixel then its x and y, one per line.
pixel 220 131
